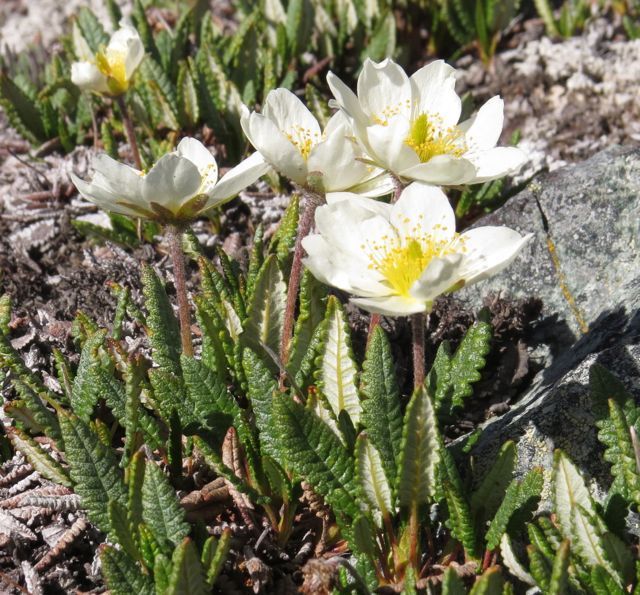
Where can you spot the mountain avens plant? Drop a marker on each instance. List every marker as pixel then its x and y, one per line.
pixel 182 185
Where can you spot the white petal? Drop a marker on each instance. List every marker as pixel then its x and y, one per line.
pixel 496 163
pixel 242 175
pixel 193 150
pixel 101 197
pixel 274 146
pixel 119 178
pixel 87 76
pixel 392 305
pixel 388 147
pixel 375 206
pixel 289 114
pixel 384 90
pixel 171 181
pixel 346 99
pixel 337 156
pixel 441 170
pixel 484 129
pixel 379 183
pixel 426 207
pixel 434 93
pixel 488 250
pixel 126 44
pixel 440 275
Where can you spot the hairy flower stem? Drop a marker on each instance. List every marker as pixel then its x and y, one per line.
pixel 311 202
pixel 131 134
pixel 417 329
pixel 174 234
pixel 414 535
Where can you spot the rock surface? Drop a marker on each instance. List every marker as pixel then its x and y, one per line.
pixel 591 214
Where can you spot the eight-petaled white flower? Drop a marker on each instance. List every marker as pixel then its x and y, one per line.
pixel 110 70
pixel 396 259
pixel 288 135
pixel 180 186
pixel 409 125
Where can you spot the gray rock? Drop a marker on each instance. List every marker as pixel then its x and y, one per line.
pixel 591 213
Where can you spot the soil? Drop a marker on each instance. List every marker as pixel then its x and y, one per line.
pixel 568 99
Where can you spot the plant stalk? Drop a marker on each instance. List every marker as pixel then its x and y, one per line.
pixel 417 329
pixel 414 530
pixel 174 234
pixel 129 130
pixel 311 202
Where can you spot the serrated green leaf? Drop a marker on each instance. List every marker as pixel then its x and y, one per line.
pixel 162 90
pixel 135 480
pixel 371 476
pixel 164 332
pixel 338 372
pixel 122 575
pixel 452 584
pixel 490 583
pixel 284 239
pixel 93 469
pixel 91 29
pixel 539 567
pixel 603 583
pixel 381 414
pixel 38 458
pixel 187 575
pixel 265 314
pixel 451 377
pixel 485 501
pixel 187 100
pixel 569 491
pixel 312 451
pixel 122 529
pixel 519 495
pixel 84 395
pixel 217 552
pixel 161 509
pixel 419 451
pixel 512 563
pixel 559 581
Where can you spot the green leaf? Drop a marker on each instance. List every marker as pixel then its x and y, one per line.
pixel 208 398
pixel 284 239
pixel 485 501
pixel 490 583
pixel 559 582
pixel 122 575
pixel 460 520
pixel 38 458
pixel 312 451
pixel 158 84
pixel 511 562
pixel 187 100
pixel 313 299
pixel 452 584
pixel 24 108
pixel 215 555
pixel 164 332
pixel 161 509
pixel 371 476
pixel 93 469
pixel 135 480
pixel 603 583
pixel 265 314
pixel 187 575
pixel 92 30
pixel 338 373
pixel 545 10
pixel 569 491
pixel 84 394
pixel 520 495
pixel 451 377
pixel 419 451
pixel 144 29
pixel 539 567
pixel 381 413
pixel 300 15
pixel 122 529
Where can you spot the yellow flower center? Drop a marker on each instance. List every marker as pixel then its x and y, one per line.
pixel 303 139
pixel 402 261
pixel 428 138
pixel 113 65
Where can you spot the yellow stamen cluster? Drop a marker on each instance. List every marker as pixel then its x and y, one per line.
pixel 113 65
pixel 428 138
pixel 303 139
pixel 402 260
pixel 389 111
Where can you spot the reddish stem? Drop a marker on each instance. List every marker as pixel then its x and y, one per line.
pixel 174 234
pixel 129 130
pixel 417 330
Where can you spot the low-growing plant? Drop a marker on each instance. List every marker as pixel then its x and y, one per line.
pixel 571 17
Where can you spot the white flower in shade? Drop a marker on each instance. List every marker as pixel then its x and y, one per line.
pixel 395 259
pixel 110 70
pixel 289 137
pixel 180 186
pixel 409 125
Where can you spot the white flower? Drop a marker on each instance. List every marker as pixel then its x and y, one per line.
pixel 180 186
pixel 110 70
pixel 409 125
pixel 289 137
pixel 396 259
